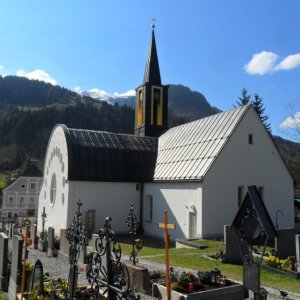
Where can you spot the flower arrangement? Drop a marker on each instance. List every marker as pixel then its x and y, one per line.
pixel 282 264
pixel 191 281
pixel 186 277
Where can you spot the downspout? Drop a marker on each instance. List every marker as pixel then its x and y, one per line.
pixel 141 228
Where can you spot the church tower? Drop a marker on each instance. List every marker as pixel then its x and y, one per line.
pixel 151 107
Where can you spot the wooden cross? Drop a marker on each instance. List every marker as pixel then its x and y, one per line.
pixel 167 226
pixel 28 241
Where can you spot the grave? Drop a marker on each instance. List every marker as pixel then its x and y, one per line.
pixel 33 233
pixel 16 267
pixel 285 242
pixel 253 226
pixel 4 275
pixel 51 241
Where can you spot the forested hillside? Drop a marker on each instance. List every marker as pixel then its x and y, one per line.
pixel 24 133
pixel 21 91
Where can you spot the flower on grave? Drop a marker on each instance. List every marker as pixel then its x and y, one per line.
pixel 282 264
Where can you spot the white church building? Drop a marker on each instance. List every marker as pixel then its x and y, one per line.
pixel 198 171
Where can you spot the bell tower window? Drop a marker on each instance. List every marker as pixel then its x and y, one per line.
pixel 140 108
pixel 156 112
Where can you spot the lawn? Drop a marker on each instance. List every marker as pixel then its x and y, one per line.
pixel 192 259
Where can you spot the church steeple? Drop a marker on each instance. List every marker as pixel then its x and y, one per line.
pixel 151 110
pixel 152 73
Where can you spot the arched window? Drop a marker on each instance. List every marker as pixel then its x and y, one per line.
pixel 53 189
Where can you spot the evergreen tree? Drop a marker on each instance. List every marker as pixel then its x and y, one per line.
pixel 258 105
pixel 244 99
pixel 260 109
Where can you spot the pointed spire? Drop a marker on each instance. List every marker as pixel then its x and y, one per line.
pixel 152 73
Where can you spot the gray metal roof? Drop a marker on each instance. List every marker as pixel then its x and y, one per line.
pixel 186 152
pixel 105 156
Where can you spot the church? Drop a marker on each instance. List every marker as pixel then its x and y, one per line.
pixel 198 171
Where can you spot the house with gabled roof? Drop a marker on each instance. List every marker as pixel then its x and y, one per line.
pixel 20 196
pixel 198 171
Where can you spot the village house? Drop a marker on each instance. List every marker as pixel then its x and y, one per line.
pixel 20 197
pixel 198 171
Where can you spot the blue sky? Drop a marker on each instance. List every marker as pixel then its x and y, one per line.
pixel 214 47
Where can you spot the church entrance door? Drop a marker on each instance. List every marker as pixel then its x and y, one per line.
pixel 192 225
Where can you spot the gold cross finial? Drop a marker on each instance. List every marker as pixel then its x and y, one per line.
pixel 153 23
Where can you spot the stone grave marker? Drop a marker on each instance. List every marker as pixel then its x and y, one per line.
pixel 51 241
pixel 285 243
pixel 16 267
pixel 297 238
pixel 4 276
pixel 33 231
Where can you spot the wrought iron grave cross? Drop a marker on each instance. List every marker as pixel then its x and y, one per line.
pixel 77 238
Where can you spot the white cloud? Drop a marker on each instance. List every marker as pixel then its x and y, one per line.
pixel 37 75
pixel 261 63
pixel 1 67
pixel 290 62
pixel 291 122
pixel 266 62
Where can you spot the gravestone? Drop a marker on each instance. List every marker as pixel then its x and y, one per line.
pixel 4 275
pixel 253 226
pixel 232 246
pixel 33 231
pixel 10 230
pixel 285 243
pixel 64 243
pixel 13 228
pixel 51 241
pixel 297 239
pixel 16 267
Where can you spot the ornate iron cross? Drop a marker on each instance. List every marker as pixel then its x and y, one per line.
pixel 76 235
pixel 107 273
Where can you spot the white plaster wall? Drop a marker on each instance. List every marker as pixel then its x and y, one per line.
pixel 56 162
pixel 109 199
pixel 241 164
pixel 176 198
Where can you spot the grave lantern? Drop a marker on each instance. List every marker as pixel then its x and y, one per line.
pixel 37 283
pixel 139 244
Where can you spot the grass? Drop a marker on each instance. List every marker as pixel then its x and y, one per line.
pixel 192 259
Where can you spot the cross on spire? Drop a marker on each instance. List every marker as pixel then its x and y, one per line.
pixel 153 23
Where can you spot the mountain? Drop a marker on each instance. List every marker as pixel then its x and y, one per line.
pixel 184 103
pixel 24 92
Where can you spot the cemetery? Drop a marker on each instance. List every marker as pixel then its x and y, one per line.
pixel 40 267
